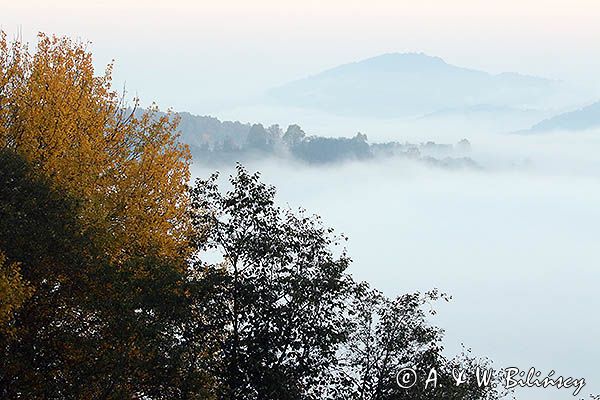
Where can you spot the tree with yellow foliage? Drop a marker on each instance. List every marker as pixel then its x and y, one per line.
pixel 14 291
pixel 93 233
pixel 74 323
pixel 128 168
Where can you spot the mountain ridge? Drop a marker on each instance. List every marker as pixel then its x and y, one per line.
pixel 587 117
pixel 399 84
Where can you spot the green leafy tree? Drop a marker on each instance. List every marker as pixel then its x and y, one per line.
pixel 286 321
pixel 390 338
pixel 279 292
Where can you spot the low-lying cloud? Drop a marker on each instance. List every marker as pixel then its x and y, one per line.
pixel 516 243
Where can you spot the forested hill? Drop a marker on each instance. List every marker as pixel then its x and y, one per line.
pixel 217 142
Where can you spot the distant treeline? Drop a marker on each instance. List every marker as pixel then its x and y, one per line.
pixel 214 142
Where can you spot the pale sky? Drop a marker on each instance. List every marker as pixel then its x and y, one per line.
pixel 199 55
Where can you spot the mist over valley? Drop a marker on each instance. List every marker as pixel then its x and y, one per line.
pixel 511 233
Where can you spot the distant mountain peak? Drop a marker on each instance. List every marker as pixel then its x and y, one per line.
pixel 393 62
pixel 404 84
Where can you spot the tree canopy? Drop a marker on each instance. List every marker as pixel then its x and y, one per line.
pixel 120 281
pixel 71 126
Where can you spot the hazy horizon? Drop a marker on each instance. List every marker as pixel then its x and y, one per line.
pixel 515 241
pixel 214 55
